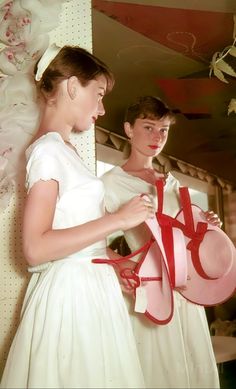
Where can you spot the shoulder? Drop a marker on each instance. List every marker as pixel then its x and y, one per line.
pixel 46 161
pixel 110 176
pixel 112 193
pixel 48 144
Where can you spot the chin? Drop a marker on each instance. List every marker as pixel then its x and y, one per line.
pixel 158 151
pixel 75 130
pixel 154 153
pixel 83 128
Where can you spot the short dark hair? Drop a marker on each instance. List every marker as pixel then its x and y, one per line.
pixel 148 107
pixel 73 61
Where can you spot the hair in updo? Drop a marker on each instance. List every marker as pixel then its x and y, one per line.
pixel 73 61
pixel 148 107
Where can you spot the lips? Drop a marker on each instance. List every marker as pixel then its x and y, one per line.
pixel 153 147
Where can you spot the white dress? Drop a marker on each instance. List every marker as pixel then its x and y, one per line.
pixel 179 354
pixel 75 330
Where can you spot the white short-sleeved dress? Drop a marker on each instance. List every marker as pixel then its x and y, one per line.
pixel 75 330
pixel 179 354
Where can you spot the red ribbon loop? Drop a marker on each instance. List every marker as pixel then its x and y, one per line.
pixel 197 236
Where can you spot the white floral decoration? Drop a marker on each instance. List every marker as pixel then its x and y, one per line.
pixel 232 106
pixel 24 27
pixel 218 65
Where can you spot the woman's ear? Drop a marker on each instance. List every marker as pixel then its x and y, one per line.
pixel 128 129
pixel 72 86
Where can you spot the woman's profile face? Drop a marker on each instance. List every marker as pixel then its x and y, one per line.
pixel 148 135
pixel 89 103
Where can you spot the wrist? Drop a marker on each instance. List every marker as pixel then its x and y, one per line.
pixel 115 221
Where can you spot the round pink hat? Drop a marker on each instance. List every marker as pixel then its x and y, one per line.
pixel 211 262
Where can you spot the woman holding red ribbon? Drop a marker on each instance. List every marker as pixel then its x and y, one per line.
pixel 75 330
pixel 178 354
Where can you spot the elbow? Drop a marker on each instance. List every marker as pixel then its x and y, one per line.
pixel 31 254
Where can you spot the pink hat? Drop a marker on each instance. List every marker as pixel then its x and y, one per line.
pixel 211 260
pixel 154 279
pixel 211 255
pixel 185 252
pixel 156 276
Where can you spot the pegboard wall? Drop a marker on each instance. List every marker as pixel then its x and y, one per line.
pixel 75 27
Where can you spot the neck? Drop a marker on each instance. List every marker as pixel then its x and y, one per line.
pixel 53 120
pixel 137 163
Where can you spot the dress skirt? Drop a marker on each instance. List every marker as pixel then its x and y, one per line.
pixel 75 331
pixel 178 354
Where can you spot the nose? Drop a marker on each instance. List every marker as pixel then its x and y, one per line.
pixel 101 109
pixel 157 135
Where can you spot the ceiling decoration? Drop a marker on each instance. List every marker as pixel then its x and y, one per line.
pixel 183 30
pixel 202 89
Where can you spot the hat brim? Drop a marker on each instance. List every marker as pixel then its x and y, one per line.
pixel 154 277
pixel 210 291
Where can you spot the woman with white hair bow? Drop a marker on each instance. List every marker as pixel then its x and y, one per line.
pixel 75 330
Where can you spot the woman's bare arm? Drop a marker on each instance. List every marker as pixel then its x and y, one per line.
pixel 42 243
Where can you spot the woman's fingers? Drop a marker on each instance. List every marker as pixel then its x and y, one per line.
pixel 213 218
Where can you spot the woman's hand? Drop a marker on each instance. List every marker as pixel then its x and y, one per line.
pixel 127 282
pixel 135 212
pixel 212 218
pixel 125 268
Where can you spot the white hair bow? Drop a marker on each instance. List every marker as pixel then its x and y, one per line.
pixel 46 59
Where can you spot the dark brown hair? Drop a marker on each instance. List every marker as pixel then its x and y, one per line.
pixel 73 61
pixel 150 107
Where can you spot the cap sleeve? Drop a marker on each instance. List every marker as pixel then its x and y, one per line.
pixel 43 164
pixel 112 202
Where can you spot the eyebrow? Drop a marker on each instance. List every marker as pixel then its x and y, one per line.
pixel 102 88
pixel 148 121
pixel 153 122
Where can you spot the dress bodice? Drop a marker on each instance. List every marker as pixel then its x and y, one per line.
pixel 80 193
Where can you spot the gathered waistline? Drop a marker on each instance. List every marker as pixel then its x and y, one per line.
pixel 82 257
